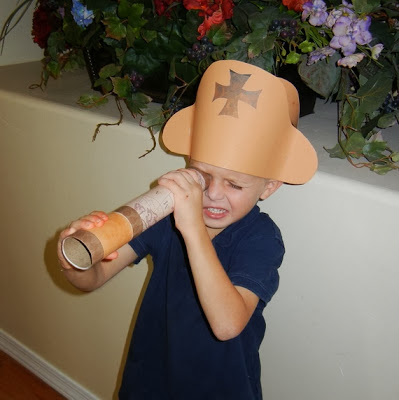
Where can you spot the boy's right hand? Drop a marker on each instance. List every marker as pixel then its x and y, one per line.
pixel 87 222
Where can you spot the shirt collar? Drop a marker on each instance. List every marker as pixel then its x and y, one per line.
pixel 225 237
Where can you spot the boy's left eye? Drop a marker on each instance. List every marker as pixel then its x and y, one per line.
pixel 235 186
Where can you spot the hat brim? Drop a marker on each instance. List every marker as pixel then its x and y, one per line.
pixel 299 160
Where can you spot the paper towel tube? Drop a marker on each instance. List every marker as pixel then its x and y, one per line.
pixel 84 248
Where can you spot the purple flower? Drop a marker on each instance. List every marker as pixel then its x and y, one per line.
pixel 61 11
pixel 349 32
pixel 337 13
pixel 316 10
pixel 361 30
pixel 343 36
pixel 82 16
pixel 347 7
pixel 320 54
pixel 351 61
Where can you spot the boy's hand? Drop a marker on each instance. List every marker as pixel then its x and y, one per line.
pixel 188 194
pixel 94 219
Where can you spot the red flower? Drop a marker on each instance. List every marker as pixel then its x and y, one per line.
pixel 161 6
pixel 295 5
pixel 46 19
pixel 213 11
pixel 41 27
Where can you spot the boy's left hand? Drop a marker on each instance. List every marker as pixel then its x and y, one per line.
pixel 187 193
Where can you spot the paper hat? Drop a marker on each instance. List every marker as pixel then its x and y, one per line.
pixel 244 119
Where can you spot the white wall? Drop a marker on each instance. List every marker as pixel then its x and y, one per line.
pixel 19 46
pixel 333 326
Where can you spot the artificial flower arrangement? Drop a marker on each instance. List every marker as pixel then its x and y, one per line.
pixel 345 52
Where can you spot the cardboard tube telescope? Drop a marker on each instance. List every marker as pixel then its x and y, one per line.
pixel 84 248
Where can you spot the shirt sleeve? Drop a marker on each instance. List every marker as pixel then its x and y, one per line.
pixel 255 261
pixel 150 239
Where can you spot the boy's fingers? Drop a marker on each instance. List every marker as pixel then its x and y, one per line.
pixel 96 218
pixel 112 256
pixel 180 177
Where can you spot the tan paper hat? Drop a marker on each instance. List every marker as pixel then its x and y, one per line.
pixel 244 119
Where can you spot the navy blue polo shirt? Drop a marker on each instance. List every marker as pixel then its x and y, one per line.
pixel 174 354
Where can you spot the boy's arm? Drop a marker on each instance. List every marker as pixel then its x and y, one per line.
pixel 228 308
pixel 100 273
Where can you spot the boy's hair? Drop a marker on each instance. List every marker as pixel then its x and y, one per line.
pixel 244 119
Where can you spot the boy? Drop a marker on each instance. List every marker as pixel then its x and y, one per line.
pixel 200 325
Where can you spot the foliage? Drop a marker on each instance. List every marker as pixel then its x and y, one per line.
pixel 344 52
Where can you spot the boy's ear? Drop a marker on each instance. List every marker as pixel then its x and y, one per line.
pixel 270 188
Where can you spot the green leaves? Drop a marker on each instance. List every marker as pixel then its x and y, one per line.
pixel 306 46
pixel 53 68
pixel 133 12
pixel 141 62
pixel 122 87
pixel 105 73
pixel 293 58
pixel 137 102
pixel 219 34
pixel 366 7
pixel 322 77
pixel 92 100
pixel 380 158
pixel 114 28
pixel 374 91
pixel 190 27
pixel 374 150
pixel 55 44
pixel 109 70
pixel 259 40
pixel 126 22
pixel 154 119
pixel 388 120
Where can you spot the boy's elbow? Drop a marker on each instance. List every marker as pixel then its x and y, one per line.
pixel 227 332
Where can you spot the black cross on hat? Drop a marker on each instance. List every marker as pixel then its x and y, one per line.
pixel 235 92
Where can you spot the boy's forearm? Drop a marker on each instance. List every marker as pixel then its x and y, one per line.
pixel 226 307
pixel 86 280
pixel 100 273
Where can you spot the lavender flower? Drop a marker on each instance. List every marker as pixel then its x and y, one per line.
pixel 361 30
pixel 316 10
pixel 349 32
pixel 320 54
pixel 347 7
pixel 343 36
pixel 337 13
pixel 82 16
pixel 351 61
pixel 61 11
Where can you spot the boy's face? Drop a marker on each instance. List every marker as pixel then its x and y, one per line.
pixel 230 195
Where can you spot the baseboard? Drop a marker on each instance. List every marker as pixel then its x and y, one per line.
pixel 45 371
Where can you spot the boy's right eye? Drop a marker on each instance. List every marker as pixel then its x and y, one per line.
pixel 235 186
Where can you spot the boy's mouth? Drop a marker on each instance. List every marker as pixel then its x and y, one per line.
pixel 213 212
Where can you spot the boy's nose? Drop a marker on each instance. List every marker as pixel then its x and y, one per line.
pixel 215 191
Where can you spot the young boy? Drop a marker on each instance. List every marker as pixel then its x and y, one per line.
pixel 200 325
